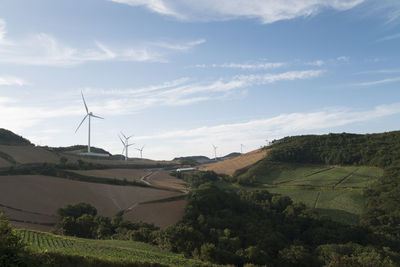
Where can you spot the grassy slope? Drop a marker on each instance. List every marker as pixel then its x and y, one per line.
pixel 335 191
pixel 113 250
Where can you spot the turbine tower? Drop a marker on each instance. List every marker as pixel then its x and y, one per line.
pixel 141 151
pixel 90 115
pixel 241 148
pixel 126 144
pixel 215 152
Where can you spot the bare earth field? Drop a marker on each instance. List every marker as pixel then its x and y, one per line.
pixel 4 163
pixel 120 174
pixel 163 179
pixel 44 195
pixel 161 214
pixel 230 166
pixel 30 154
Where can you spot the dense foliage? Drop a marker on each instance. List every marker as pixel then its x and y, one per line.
pixel 81 220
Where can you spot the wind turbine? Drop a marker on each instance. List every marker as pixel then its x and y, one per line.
pixel 90 115
pixel 126 144
pixel 241 148
pixel 215 152
pixel 141 151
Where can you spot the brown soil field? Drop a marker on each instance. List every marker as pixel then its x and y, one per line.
pixel 163 179
pixel 162 214
pixel 128 174
pixel 30 154
pixel 4 163
pixel 44 195
pixel 230 166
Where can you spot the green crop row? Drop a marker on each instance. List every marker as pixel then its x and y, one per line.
pixel 114 250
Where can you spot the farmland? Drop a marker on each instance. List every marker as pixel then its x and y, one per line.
pixel 230 166
pixel 38 198
pixel 335 191
pixel 112 250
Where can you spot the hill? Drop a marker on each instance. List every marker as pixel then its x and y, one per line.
pixel 77 149
pixel 9 138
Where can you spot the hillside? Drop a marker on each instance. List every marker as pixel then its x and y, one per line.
pixel 232 164
pixel 9 138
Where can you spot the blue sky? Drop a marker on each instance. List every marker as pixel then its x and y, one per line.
pixel 183 75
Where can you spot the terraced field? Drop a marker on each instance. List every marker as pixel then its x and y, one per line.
pixel 113 250
pixel 335 191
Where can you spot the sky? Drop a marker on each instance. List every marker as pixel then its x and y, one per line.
pixel 183 75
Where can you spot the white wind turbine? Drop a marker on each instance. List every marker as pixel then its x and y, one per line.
pixel 90 115
pixel 141 151
pixel 215 152
pixel 241 148
pixel 126 144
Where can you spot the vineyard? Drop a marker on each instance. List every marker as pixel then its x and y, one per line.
pixel 112 250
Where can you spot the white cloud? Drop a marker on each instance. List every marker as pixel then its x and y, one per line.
pixel 184 92
pixel 253 133
pixel 2 30
pixel 389 38
pixel 343 59
pixel 45 50
pixel 267 11
pixel 317 63
pixel 180 46
pixel 250 66
pixel 379 82
pixel 11 80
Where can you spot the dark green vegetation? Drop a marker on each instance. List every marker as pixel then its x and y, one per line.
pixel 11 139
pixel 28 248
pixel 81 220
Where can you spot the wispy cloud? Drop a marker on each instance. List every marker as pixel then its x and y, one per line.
pixel 12 80
pixel 383 71
pixel 378 82
pixel 45 50
pixel 343 59
pixel 3 30
pixel 265 11
pixel 317 63
pixel 246 66
pixel 184 91
pixel 254 132
pixel 180 46
pixel 389 37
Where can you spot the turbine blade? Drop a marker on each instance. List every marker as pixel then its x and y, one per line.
pixel 131 144
pixel 123 150
pixel 123 135
pixel 84 102
pixel 130 136
pixel 137 149
pixel 121 140
pixel 84 118
pixel 97 116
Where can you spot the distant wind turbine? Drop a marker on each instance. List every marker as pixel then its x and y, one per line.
pixel 241 148
pixel 126 144
pixel 141 151
pixel 215 152
pixel 90 115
